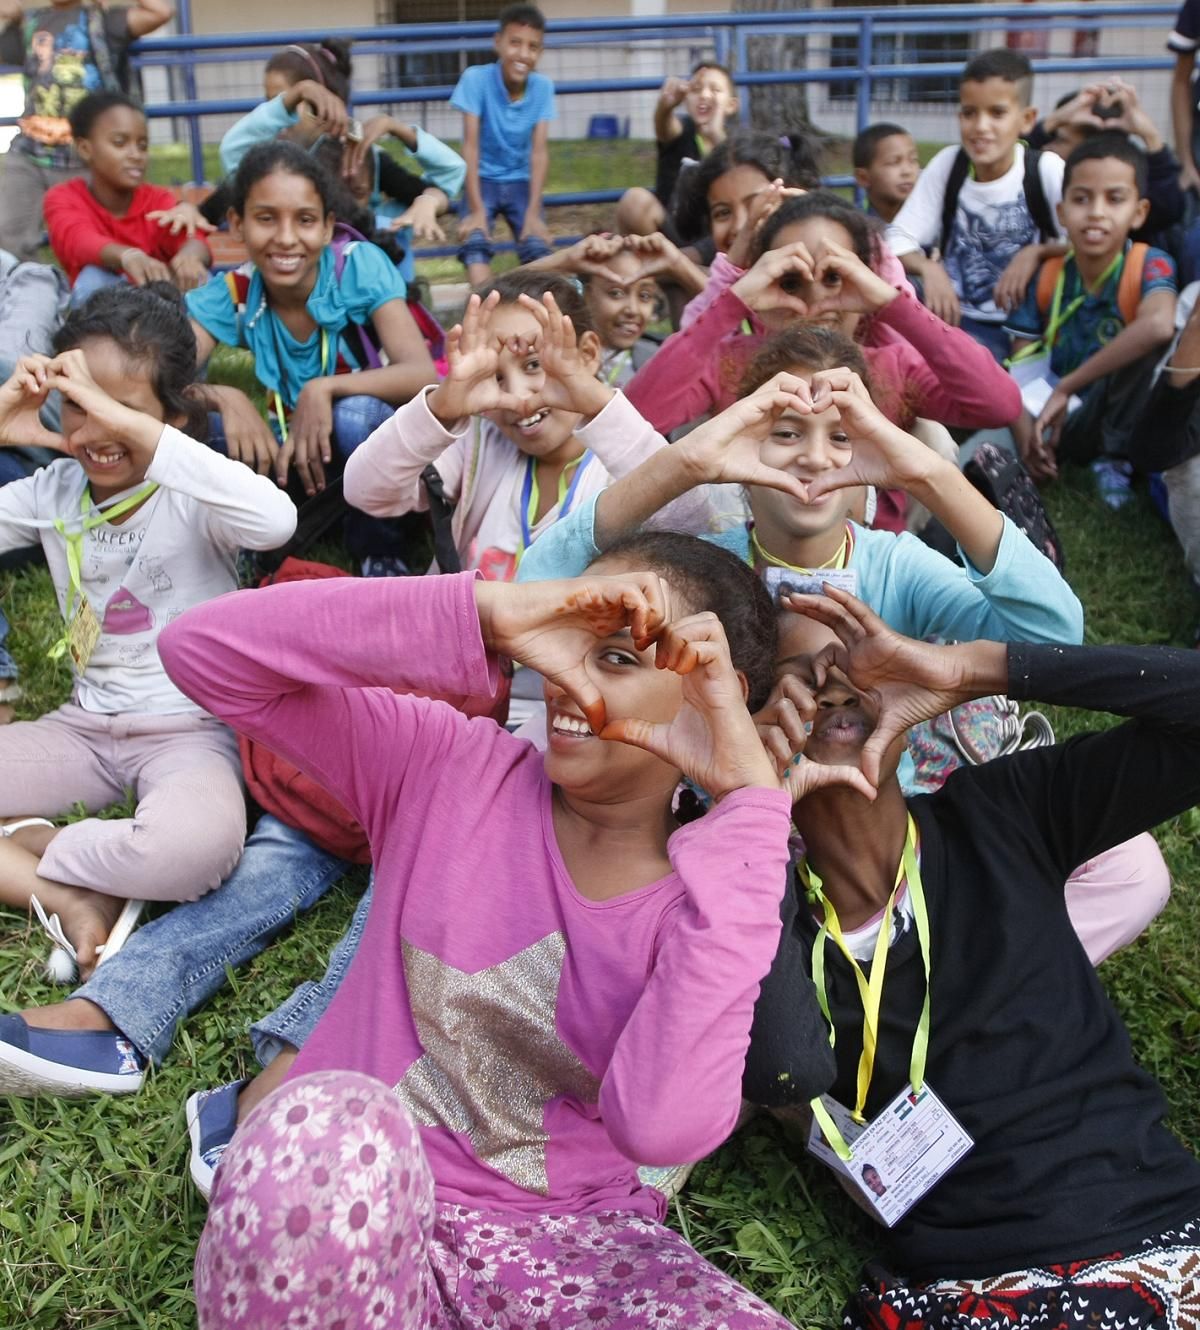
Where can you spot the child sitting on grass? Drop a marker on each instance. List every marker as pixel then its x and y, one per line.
pixel 110 226
pixel 886 167
pixel 1102 315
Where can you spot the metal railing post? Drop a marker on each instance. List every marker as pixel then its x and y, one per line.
pixel 183 17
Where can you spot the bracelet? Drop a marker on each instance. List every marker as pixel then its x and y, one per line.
pixel 1181 369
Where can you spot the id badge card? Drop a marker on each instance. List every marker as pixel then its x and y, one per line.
pixel 83 632
pixel 789 582
pixel 898 1157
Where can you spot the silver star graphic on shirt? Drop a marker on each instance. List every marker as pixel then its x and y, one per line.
pixel 493 1058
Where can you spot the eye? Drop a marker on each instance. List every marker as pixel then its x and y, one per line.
pixel 615 656
pixel 785 433
pixel 841 438
pixel 532 365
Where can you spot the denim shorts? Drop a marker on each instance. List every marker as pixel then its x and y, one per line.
pixel 501 198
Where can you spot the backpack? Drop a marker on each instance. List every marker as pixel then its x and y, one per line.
pixel 1035 196
pixel 1129 285
pixel 1002 479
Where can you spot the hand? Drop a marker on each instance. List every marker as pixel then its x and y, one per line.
pixel 355 154
pixel 248 437
pixel 1133 118
pixel 188 271
pixel 784 725
pixel 940 296
pixel 725 450
pixel 711 739
pixel 21 399
pixel 905 681
pixel 1048 426
pixel 762 289
pixel 141 268
pixel 472 356
pixel 570 380
pixel 882 454
pixel 1038 458
pixel 422 216
pixel 534 226
pixel 1014 280
pixel 591 255
pixel 853 287
pixel 323 111
pixel 1189 176
pixel 552 626
pixel 182 217
pixel 673 92
pixel 105 418
pixel 744 245
pixel 657 256
pixel 310 435
pixel 473 221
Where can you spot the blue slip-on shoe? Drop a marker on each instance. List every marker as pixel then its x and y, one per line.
pixel 211 1120
pixel 66 1062
pixel 1114 481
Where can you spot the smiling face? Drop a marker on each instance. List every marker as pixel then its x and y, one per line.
pixel 117 149
pixel 991 118
pixel 813 233
pixel 546 432
pixel 285 228
pixel 710 98
pixel 622 311
pixel 519 48
pixel 729 197
pixel 1100 206
pixel 108 464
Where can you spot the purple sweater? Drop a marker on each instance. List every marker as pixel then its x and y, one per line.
pixel 543 1041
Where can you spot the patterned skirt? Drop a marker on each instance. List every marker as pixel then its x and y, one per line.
pixel 1156 1286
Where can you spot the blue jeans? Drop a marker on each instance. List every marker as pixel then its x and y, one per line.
pixel 501 198
pixel 355 419
pixel 292 1022
pixel 991 335
pixel 92 279
pixel 179 960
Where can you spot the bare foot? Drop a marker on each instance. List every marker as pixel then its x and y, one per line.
pixel 87 918
pixel 7 714
pixel 73 1014
pixel 266 1081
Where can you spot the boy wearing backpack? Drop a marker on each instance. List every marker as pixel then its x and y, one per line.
pixel 1095 321
pixel 983 212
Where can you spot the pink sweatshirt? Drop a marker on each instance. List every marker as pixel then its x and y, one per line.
pixel 543 1041
pixel 483 473
pixel 920 366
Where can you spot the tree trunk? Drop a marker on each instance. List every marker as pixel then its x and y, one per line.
pixel 774 106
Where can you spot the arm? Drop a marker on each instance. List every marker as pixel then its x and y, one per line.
pixel 148 16
pixel 722 274
pixel 441 166
pixel 539 168
pixel 78 237
pixel 672 1090
pixel 1182 113
pixel 411 367
pixel 190 265
pixel 476 219
pixel 241 510
pixel 257 126
pixel 667 126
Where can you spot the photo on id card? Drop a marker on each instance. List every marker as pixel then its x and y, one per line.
pixel 899 1156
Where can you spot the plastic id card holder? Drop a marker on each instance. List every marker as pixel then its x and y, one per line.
pixel 898 1157
pixel 790 582
pixel 83 632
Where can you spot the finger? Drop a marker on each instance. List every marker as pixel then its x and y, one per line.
pixel 316 462
pixel 807 776
pixel 639 734
pixel 303 464
pixel 778 748
pixel 283 461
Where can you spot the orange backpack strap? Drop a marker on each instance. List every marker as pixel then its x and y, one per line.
pixel 1046 282
pixel 1129 288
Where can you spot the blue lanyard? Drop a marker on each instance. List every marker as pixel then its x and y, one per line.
pixel 564 502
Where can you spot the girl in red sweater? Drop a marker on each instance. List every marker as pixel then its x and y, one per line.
pixel 110 226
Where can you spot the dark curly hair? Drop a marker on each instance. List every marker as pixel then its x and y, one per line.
pixel 265 159
pixel 822 203
pixel 89 109
pixel 326 62
pixel 711 578
pixel 568 295
pixel 149 325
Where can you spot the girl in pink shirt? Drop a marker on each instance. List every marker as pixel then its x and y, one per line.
pixel 555 981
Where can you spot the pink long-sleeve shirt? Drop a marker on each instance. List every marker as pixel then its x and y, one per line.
pixel 920 365
pixel 543 1041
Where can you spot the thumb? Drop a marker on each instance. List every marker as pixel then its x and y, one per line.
pixel 843 478
pixel 874 750
pixel 805 776
pixel 639 734
pixel 578 686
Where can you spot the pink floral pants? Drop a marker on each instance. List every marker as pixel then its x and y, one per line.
pixel 323 1216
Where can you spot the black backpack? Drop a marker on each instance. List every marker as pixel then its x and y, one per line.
pixel 1035 196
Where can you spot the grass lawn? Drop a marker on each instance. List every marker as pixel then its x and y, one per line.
pixel 99 1222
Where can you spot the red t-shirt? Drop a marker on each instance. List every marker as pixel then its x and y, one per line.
pixel 80 226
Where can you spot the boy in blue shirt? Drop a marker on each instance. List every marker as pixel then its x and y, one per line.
pixel 507 109
pixel 1101 319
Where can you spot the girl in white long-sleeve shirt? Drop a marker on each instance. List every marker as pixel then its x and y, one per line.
pixel 139 523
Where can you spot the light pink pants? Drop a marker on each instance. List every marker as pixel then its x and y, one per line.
pixel 187 833
pixel 1115 896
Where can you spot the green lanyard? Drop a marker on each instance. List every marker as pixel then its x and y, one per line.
pixel 279 412
pixel 871 990
pixel 613 373
pixel 1058 319
pixel 74 541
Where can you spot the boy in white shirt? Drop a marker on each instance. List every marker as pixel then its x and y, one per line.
pixel 982 218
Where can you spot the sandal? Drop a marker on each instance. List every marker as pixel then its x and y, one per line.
pixel 62 965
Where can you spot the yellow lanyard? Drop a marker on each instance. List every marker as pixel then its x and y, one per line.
pixel 871 990
pixel 279 411
pixel 531 496
pixel 74 541
pixel 760 556
pixel 1058 319
pixel 613 373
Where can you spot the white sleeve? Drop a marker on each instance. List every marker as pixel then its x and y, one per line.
pixel 1050 168
pixel 241 509
pixel 20 510
pixel 918 224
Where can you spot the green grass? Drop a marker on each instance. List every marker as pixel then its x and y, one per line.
pixel 98 1221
